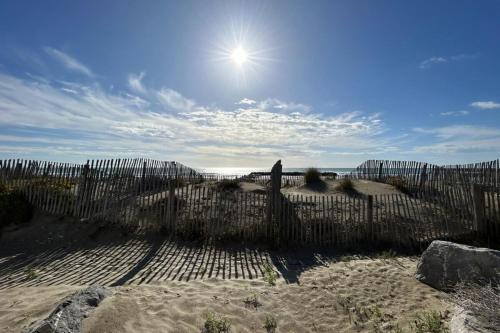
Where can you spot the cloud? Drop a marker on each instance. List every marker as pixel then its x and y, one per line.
pixel 432 61
pixel 68 61
pixel 427 63
pixel 56 118
pixel 455 113
pixel 246 101
pixel 135 82
pixel 174 100
pixel 460 139
pixel 488 105
pixel 286 107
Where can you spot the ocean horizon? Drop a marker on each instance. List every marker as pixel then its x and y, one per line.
pixel 235 171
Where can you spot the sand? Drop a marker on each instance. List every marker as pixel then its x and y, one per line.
pixel 162 285
pixel 329 187
pixel 339 296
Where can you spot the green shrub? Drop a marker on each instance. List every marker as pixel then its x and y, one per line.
pixel 30 273
pixel 269 274
pixel 311 176
pixel 429 322
pixel 270 324
pixel 345 185
pixel 216 324
pixel 228 185
pixel 14 209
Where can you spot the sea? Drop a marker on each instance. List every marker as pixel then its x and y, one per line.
pixel 228 171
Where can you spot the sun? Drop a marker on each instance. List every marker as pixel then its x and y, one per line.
pixel 239 56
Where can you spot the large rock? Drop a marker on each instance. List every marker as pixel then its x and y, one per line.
pixel 465 322
pixel 68 315
pixel 444 264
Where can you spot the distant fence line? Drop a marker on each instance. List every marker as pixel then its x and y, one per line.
pixel 168 195
pixel 421 176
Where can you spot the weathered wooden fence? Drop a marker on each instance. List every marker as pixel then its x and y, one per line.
pixel 425 176
pixel 168 195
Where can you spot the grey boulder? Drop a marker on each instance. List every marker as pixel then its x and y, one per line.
pixel 68 315
pixel 443 264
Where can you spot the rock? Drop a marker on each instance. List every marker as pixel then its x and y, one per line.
pixel 444 264
pixel 464 322
pixel 68 315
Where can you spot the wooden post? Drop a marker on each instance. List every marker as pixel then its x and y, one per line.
pixel 82 189
pixel 380 171
pixel 423 176
pixel 170 204
pixel 143 178
pixel 478 205
pixel 369 217
pixel 274 214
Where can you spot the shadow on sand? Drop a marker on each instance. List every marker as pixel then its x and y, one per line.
pixel 115 259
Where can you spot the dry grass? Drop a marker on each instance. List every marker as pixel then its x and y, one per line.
pixel 345 185
pixel 397 182
pixel 311 176
pixel 216 324
pixel 228 185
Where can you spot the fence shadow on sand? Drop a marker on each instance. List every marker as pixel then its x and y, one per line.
pixel 140 259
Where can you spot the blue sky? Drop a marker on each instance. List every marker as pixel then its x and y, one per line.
pixel 328 84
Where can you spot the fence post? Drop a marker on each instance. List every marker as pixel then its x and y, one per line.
pixel 143 178
pixel 478 205
pixel 380 171
pixel 274 212
pixel 171 204
pixel 82 190
pixel 423 176
pixel 369 218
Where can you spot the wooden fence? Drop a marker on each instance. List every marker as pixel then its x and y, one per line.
pixel 167 195
pixel 422 176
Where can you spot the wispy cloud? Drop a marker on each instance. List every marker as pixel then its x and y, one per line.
pixel 427 63
pixel 46 117
pixel 286 107
pixel 455 113
pixel 460 139
pixel 135 82
pixel 486 105
pixel 432 61
pixel 89 121
pixel 68 61
pixel 246 101
pixel 174 101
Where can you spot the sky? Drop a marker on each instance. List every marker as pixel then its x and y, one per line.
pixel 245 83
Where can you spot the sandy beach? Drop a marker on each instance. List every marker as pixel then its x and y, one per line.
pixel 359 295
pixel 168 286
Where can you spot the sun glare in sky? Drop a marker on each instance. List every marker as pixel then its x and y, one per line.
pixel 241 53
pixel 239 56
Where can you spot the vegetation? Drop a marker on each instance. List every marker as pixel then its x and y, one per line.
pixel 228 185
pixel 311 176
pixel 270 324
pixel 216 324
pixel 51 182
pixel 14 209
pixel 398 182
pixel 31 273
pixel 429 322
pixel 386 255
pixel 252 301
pixel 269 274
pixel 345 185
